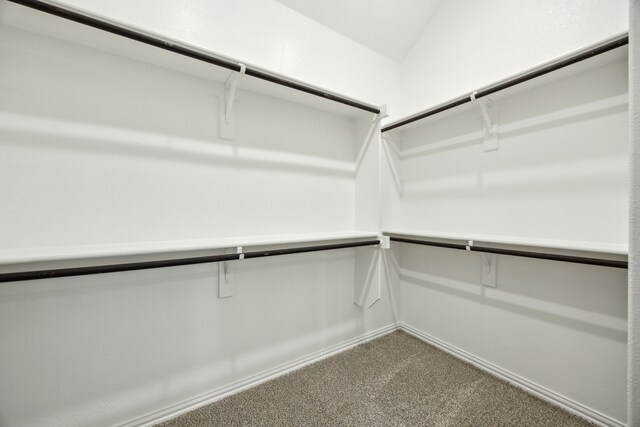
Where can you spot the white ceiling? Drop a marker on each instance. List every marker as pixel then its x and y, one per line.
pixel 390 27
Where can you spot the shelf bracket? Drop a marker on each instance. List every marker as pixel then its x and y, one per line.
pixel 227 121
pixel 489 269
pixel 225 275
pixel 375 121
pixel 367 289
pixel 490 127
pixel 384 112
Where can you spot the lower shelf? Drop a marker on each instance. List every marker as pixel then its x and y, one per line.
pixel 355 240
pixel 611 258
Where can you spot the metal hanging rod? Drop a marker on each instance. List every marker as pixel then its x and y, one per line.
pixel 529 75
pixel 525 254
pixel 186 51
pixel 145 265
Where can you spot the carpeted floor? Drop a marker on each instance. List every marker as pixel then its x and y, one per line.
pixel 395 380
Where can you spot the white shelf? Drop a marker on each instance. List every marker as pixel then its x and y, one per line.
pixel 46 254
pixel 570 245
pixel 618 54
pixel 17 16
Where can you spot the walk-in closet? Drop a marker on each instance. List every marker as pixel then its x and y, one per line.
pixel 300 213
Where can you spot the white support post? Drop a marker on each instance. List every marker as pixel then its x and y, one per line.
pixel 490 127
pixel 368 261
pixel 227 119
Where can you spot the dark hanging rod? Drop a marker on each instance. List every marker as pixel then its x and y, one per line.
pixel 545 69
pixel 185 51
pixel 145 265
pixel 525 254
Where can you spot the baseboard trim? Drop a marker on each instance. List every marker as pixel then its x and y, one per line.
pixel 530 387
pixel 252 381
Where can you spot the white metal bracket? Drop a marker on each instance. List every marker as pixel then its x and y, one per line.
pixel 490 127
pixel 225 275
pixel 489 269
pixel 372 127
pixel 368 264
pixel 384 112
pixel 227 119
pixel 230 91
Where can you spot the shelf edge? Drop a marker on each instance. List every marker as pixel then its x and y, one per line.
pixel 578 246
pixel 52 254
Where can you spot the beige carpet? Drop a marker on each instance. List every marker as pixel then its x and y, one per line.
pixel 396 380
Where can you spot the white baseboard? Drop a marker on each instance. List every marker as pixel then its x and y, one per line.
pixel 254 380
pixel 530 387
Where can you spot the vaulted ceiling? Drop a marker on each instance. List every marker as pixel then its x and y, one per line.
pixel 390 27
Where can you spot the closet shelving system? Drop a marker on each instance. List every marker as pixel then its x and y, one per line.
pixel 79 27
pixel 606 255
pixel 264 246
pixel 155 49
pixel 95 32
pixel 591 253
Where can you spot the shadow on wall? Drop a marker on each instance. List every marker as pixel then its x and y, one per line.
pixel 557 127
pixel 560 172
pixel 559 103
pixel 118 142
pixel 109 104
pixel 567 165
pixel 473 136
pixel 128 343
pixel 589 299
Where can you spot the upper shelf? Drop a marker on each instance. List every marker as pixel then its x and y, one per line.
pixel 77 27
pixel 576 62
pixel 47 254
pixel 568 245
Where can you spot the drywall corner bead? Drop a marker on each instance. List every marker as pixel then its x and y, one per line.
pixel 633 343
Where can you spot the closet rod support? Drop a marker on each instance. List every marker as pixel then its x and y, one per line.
pixel 191 52
pixel 230 91
pixel 547 68
pixel 490 127
pixel 470 246
pixel 174 262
